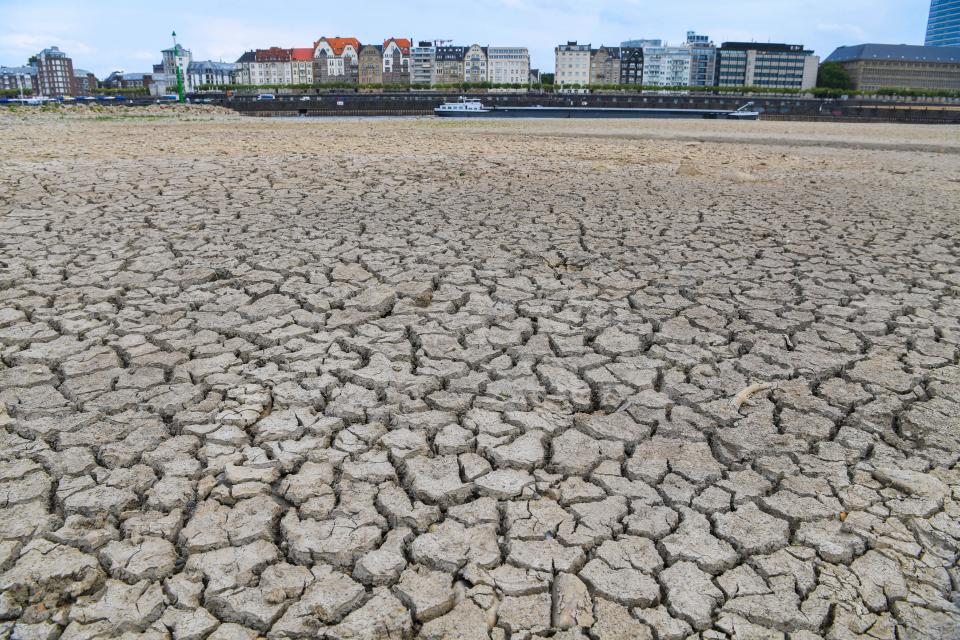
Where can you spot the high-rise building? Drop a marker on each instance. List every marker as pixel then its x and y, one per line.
pixel 572 64
pixel 54 73
pixel 900 66
pixel 943 26
pixel 703 60
pixel 772 66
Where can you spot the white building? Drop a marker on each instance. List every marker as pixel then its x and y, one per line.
pixel 572 64
pixel 508 65
pixel 663 65
pixel 421 63
pixel 176 57
pixel 210 73
pixel 475 64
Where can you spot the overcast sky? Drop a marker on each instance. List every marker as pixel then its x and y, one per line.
pixel 106 35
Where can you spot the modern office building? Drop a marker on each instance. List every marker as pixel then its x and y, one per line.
pixel 943 26
pixel 900 66
pixel 771 66
pixel 572 64
pixel 703 60
pixel 421 63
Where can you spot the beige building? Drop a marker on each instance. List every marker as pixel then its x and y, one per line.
pixel 475 64
pixel 899 66
pixel 572 64
pixel 605 66
pixel 371 64
pixel 448 65
pixel 508 65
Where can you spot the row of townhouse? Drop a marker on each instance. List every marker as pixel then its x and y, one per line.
pixel 697 63
pixel 396 61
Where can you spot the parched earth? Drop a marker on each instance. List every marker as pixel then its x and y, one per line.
pixel 397 379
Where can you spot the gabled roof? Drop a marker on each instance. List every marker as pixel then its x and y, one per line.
pixel 339 44
pixel 249 56
pixel 403 43
pixel 899 52
pixel 301 53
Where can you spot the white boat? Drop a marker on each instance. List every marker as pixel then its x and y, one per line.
pixel 465 107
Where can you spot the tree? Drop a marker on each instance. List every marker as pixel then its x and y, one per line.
pixel 546 78
pixel 833 75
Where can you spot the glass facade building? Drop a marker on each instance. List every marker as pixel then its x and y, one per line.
pixel 943 27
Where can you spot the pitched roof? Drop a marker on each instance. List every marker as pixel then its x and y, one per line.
pixel 403 43
pixel 900 52
pixel 248 56
pixel 339 44
pixel 301 53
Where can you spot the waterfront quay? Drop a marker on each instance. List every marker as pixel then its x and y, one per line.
pixel 395 379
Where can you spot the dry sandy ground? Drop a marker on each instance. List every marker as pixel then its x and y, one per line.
pixel 416 378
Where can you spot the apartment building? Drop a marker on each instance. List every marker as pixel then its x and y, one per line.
pixel 421 63
pixel 265 66
pixel 475 64
pixel 572 64
pixel 774 65
pixel 605 65
pixel 301 65
pixel 54 73
pixel 336 60
pixel 396 61
pixel 631 65
pixel 210 73
pixel 663 65
pixel 370 62
pixel 448 65
pixel 174 58
pixel 18 78
pixel 900 66
pixel 508 65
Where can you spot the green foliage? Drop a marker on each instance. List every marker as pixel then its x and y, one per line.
pixel 833 75
pixel 15 93
pixel 546 78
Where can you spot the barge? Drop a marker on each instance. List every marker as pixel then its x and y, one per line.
pixel 473 108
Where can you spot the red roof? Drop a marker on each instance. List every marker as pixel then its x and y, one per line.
pixel 301 53
pixel 339 44
pixel 403 43
pixel 273 54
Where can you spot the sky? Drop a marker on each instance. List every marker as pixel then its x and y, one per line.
pixel 107 35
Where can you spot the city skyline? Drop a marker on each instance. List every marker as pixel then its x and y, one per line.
pixel 107 35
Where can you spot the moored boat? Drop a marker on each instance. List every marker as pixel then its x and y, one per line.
pixel 474 108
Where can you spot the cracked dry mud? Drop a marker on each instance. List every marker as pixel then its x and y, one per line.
pixel 395 379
